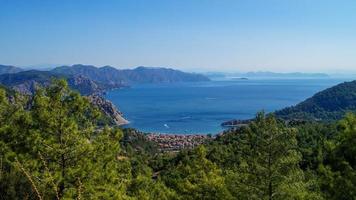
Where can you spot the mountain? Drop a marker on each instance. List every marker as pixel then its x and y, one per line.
pixel 112 76
pixel 329 104
pixel 8 69
pixel 157 75
pixel 26 82
pixel 106 77
pixel 90 80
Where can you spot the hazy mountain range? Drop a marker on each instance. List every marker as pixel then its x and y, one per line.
pixel 5 69
pixel 222 75
pixel 88 79
pixel 111 75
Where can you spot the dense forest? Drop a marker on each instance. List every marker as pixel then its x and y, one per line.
pixel 55 145
pixel 327 105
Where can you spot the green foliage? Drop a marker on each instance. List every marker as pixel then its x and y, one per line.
pixel 267 165
pixel 51 147
pixel 338 173
pixel 140 150
pixel 312 138
pixel 328 105
pixel 193 176
pixel 145 188
pixel 56 146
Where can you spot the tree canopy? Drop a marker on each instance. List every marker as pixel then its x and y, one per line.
pixel 54 145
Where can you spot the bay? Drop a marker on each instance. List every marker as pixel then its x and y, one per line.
pixel 200 107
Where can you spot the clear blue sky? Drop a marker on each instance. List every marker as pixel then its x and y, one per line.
pixel 193 35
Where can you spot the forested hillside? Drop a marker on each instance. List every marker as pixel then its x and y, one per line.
pixel 111 75
pixel 330 104
pixel 52 147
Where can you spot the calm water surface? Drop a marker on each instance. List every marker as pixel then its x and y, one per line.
pixel 201 107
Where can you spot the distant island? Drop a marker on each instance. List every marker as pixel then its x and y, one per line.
pixel 249 75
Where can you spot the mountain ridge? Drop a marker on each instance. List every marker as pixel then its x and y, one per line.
pixel 97 79
pixel 26 82
pixel 9 69
pixel 111 75
pixel 92 81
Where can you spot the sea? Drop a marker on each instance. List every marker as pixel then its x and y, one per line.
pixel 201 107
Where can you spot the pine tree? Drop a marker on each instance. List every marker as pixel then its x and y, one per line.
pixel 195 177
pixel 64 155
pixel 269 166
pixel 14 130
pixel 338 173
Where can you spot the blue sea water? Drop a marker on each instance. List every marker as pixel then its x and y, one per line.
pixel 200 108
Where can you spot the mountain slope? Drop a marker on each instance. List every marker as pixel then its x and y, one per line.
pixel 329 104
pixel 26 82
pixel 113 76
pixel 109 109
pixel 7 69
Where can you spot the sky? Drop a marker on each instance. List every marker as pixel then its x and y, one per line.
pixel 191 35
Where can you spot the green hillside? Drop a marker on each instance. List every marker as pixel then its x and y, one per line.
pixel 54 149
pixel 329 104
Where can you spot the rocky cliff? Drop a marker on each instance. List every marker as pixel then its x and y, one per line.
pixel 27 82
pixel 108 108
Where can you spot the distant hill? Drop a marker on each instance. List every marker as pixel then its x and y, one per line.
pixel 8 69
pixel 26 82
pixel 329 104
pixel 284 75
pixel 297 75
pixel 113 76
pixel 88 79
